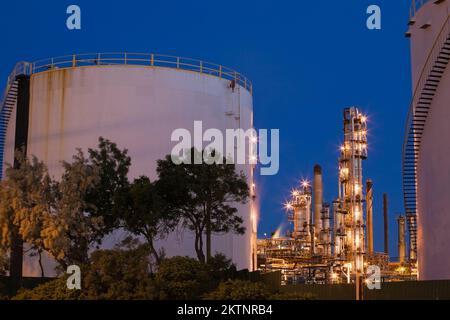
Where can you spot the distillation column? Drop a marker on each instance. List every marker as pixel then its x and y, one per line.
pixel 300 206
pixel 353 152
pixel 326 230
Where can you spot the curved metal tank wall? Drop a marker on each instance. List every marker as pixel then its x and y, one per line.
pixel 433 171
pixel 138 108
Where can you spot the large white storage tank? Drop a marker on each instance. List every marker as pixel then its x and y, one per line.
pixel 137 101
pixel 427 148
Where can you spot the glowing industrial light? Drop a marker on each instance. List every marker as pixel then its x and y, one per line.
pixel 334 276
pixel 305 183
pixel 254 139
pixel 344 172
pixel 363 119
pixel 357 188
pixel 288 206
pixel 401 269
pixel 295 193
pixel 253 158
pixel 357 213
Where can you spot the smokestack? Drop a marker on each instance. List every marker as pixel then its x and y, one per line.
pixel 318 199
pixel 386 224
pixel 401 239
pixel 369 215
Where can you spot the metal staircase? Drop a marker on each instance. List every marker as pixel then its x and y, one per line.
pixel 8 103
pixel 426 88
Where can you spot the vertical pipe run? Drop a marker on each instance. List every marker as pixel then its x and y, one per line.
pixel 369 215
pixel 386 223
pixel 401 239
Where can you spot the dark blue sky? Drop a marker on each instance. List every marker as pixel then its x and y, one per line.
pixel 307 61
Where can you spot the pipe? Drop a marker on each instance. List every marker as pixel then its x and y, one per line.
pixel 386 224
pixel 369 215
pixel 401 239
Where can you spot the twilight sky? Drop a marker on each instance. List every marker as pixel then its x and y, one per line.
pixel 307 60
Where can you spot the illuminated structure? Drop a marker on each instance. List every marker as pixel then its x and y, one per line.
pixel 349 219
pixel 56 105
pixel 426 151
pixel 300 207
pixel 332 247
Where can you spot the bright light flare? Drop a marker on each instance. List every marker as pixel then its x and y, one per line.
pixel 288 206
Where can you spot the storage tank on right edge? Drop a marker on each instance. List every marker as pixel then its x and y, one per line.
pixel 426 151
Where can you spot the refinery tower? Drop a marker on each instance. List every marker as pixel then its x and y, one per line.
pixel 56 105
pixel 426 151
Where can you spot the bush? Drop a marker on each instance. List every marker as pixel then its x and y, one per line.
pixel 293 296
pixel 181 278
pixel 119 274
pixel 52 290
pixel 123 273
pixel 239 290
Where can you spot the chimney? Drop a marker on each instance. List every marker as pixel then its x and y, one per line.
pixel 318 199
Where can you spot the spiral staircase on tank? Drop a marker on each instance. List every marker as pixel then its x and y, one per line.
pixel 425 90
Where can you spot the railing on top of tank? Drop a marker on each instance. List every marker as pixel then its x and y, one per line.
pixel 142 59
pixel 415 6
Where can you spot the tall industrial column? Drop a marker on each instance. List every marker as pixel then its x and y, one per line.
pixel 353 152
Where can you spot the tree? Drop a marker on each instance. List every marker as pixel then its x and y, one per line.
pixel 106 199
pixel 70 230
pixel 24 205
pixel 148 214
pixel 209 193
pixel 4 259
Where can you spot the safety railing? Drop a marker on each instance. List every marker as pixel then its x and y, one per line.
pixel 413 135
pixel 142 59
pixel 415 6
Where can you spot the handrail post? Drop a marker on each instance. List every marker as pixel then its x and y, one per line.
pixel 220 71
pixel 201 66
pixel 152 59
pixel 178 62
pixel 125 58
pixel 74 61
